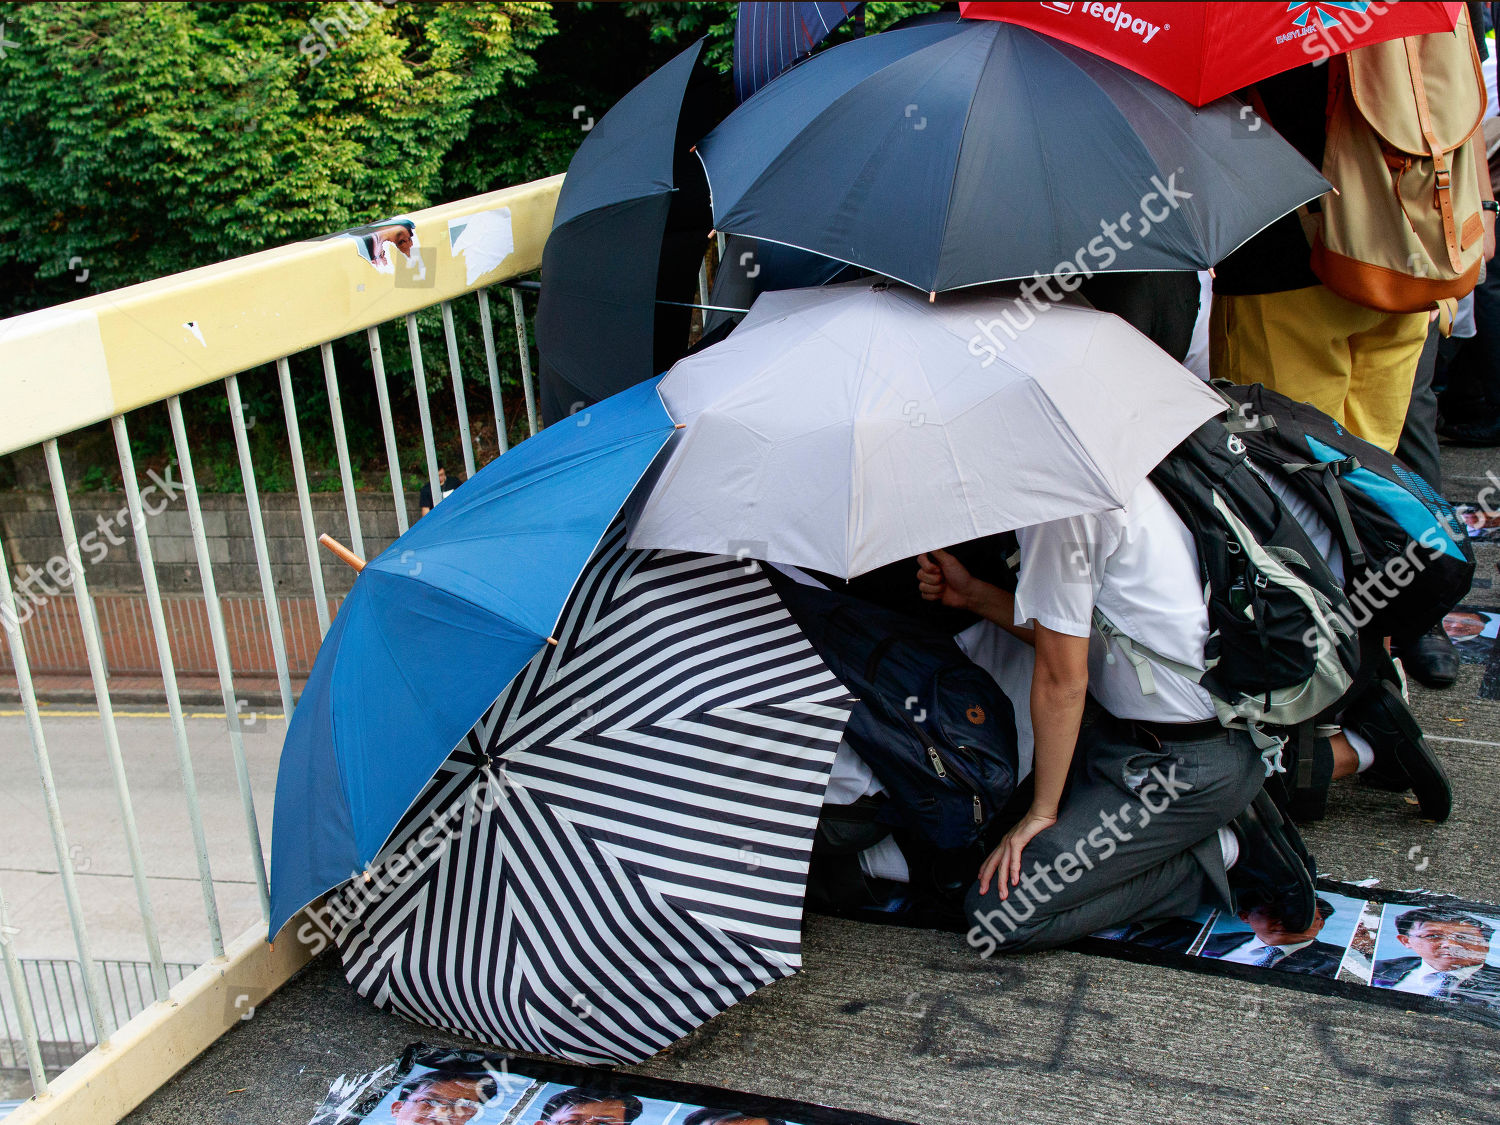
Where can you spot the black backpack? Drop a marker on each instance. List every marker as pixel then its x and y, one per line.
pixel 1380 511
pixel 1280 649
pixel 933 726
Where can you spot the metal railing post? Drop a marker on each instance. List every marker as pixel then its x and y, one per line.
pixel 392 454
pixel 258 534
pixel 420 376
pixel 220 640
pixel 66 873
pixel 492 366
pixel 524 350
pixel 89 624
pixel 24 1015
pixel 460 400
pixel 304 498
pixel 341 446
pixel 169 680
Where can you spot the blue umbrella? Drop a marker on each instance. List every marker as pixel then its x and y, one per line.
pixel 435 628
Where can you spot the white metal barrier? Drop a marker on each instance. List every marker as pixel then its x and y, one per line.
pixel 119 378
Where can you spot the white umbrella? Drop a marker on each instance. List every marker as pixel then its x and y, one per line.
pixel 849 426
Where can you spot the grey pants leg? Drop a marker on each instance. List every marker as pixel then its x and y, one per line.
pixel 1418 446
pixel 1136 840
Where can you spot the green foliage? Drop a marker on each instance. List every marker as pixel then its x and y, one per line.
pixel 143 139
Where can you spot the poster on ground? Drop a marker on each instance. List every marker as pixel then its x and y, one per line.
pixel 445 1086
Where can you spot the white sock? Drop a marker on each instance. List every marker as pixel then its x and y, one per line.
pixel 1362 748
pixel 1229 844
pixel 885 861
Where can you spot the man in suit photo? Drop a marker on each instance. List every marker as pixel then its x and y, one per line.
pixel 1451 948
pixel 1270 945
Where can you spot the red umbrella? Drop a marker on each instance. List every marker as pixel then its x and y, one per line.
pixel 1202 51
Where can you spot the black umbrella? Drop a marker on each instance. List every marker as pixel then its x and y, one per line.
pixel 631 226
pixel 955 152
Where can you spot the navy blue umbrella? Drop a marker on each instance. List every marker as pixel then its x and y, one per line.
pixel 768 38
pixel 630 229
pixel 955 152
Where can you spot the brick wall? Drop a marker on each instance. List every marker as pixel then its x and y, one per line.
pixel 54 642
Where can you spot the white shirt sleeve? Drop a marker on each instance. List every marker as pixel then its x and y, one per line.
pixel 1062 568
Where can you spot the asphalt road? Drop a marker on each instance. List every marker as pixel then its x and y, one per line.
pixel 92 818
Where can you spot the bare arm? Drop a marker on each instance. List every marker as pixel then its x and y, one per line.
pixel 1059 686
pixel 942 578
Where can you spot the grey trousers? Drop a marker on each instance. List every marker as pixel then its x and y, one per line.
pixel 1136 839
pixel 1418 446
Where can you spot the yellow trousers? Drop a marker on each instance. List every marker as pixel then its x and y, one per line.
pixel 1353 363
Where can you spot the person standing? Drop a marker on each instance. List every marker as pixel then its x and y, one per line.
pixel 1275 322
pixel 424 499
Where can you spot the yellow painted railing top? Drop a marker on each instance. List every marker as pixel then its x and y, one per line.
pixel 76 364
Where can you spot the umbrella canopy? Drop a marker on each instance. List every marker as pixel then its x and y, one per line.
pixel 631 226
pixel 1203 51
pixel 751 267
pixel 476 585
pixel 768 38
pixel 628 828
pixel 955 153
pixel 850 426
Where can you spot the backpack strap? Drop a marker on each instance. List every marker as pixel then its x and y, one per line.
pixel 1330 471
pixel 1242 419
pixel 1443 195
pixel 1142 657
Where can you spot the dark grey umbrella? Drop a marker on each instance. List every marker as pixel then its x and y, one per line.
pixel 631 227
pixel 957 152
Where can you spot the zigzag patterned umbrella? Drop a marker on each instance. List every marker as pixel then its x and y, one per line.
pixel 619 850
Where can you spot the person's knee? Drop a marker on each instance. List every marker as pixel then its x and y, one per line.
pixel 1001 926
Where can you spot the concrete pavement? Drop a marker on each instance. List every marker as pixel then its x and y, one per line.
pixel 910 1024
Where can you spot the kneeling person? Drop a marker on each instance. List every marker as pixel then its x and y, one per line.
pixel 1151 786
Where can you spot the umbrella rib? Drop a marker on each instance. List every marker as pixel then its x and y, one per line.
pixel 864 367
pixel 958 159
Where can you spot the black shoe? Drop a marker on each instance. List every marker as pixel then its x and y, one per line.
pixel 1431 658
pixel 1272 871
pixel 1301 792
pixel 1481 434
pixel 1403 760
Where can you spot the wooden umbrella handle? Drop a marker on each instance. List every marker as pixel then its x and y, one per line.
pixel 343 552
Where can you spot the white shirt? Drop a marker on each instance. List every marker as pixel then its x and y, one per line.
pixel 850 779
pixel 1254 951
pixel 1427 981
pixel 1196 359
pixel 1139 566
pixel 1312 523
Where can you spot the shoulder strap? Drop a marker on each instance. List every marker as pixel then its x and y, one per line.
pixel 1444 192
pixel 1330 471
pixel 1140 656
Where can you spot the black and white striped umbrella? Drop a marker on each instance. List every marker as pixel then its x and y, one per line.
pixel 619 850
